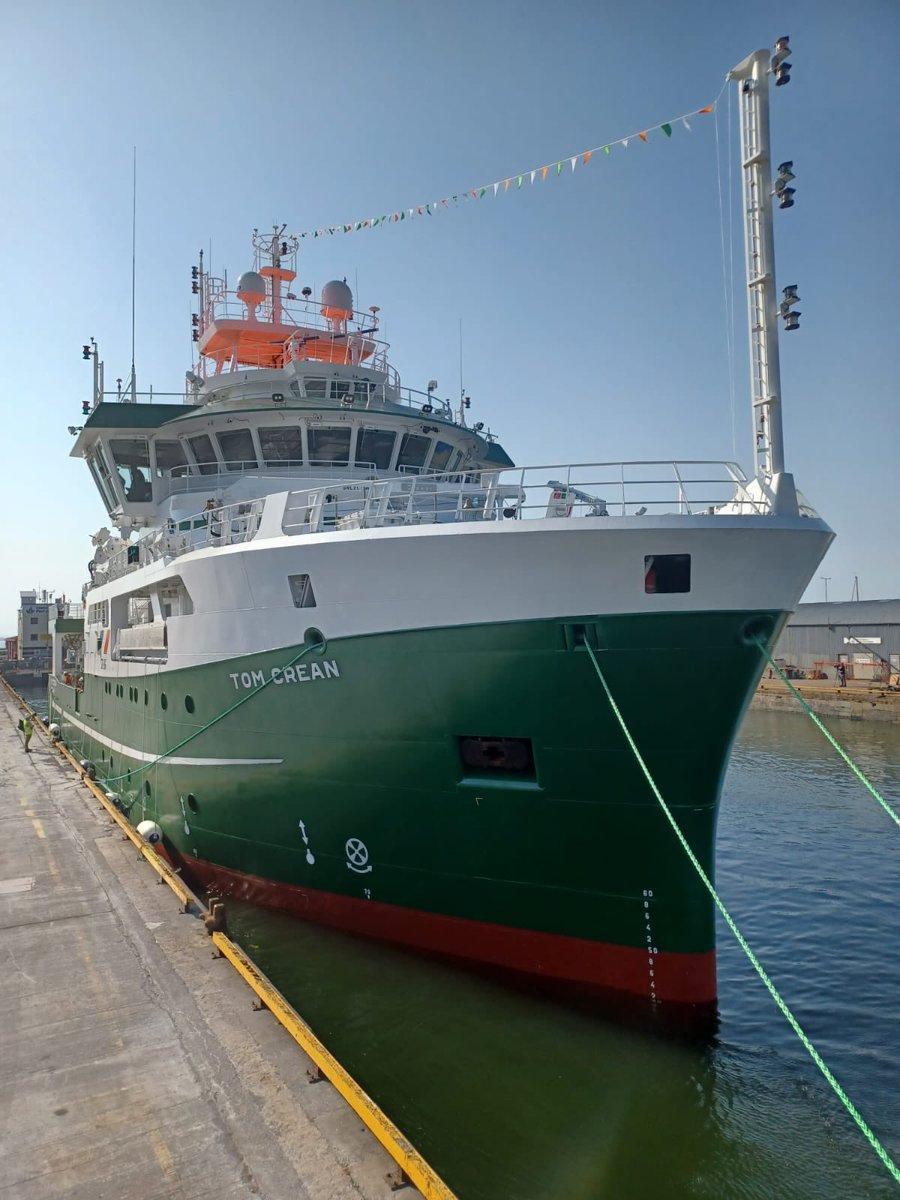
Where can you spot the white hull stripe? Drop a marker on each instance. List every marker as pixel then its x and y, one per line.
pixel 170 759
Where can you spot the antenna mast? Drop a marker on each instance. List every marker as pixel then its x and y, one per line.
pixel 764 310
pixel 133 258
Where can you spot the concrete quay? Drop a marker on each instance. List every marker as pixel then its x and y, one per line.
pixel 857 701
pixel 132 1064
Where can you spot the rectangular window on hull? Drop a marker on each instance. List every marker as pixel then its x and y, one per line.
pixel 505 757
pixel 301 591
pixel 667 573
pixel 98 614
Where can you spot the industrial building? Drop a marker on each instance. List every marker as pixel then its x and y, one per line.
pixel 864 635
pixel 34 629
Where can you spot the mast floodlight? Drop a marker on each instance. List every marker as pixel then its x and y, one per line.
pixel 784 193
pixel 791 319
pixel 782 51
pixel 790 296
pixel 782 73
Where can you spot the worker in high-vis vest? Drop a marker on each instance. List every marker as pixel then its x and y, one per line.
pixel 27 730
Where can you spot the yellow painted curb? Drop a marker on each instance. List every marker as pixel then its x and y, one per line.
pixel 398 1147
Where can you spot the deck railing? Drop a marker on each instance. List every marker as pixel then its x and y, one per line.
pixel 636 490
pixel 624 489
pixel 222 525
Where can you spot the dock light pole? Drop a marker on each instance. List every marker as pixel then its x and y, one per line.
pixel 752 77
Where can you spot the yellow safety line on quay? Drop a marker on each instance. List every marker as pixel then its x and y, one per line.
pixel 401 1150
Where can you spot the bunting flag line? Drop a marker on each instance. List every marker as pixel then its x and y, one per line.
pixel 469 194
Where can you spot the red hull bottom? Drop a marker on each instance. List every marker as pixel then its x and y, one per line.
pixel 583 966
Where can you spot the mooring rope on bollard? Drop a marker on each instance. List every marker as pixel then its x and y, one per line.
pixel 732 925
pixel 846 757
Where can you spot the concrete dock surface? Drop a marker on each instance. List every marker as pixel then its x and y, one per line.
pixel 132 1065
pixel 860 700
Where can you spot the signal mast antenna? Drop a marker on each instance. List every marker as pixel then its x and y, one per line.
pixel 752 75
pixel 271 249
pixel 133 385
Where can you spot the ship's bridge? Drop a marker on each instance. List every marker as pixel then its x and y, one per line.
pixel 284 386
pixel 266 430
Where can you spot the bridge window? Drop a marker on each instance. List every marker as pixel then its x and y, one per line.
pixel 314 389
pixel 340 388
pixel 329 445
pixel 413 450
pixel 441 456
pixel 283 445
pixel 169 456
pixel 374 447
pixel 202 450
pixel 100 472
pixel 132 459
pixel 237 449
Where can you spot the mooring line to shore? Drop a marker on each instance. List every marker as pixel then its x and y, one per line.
pixel 732 925
pixel 214 721
pixel 860 775
pixel 411 1166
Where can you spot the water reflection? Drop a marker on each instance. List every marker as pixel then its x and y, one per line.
pixel 513 1096
pixel 517 1097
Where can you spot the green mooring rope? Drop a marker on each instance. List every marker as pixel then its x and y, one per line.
pixel 209 725
pixel 773 991
pixel 846 757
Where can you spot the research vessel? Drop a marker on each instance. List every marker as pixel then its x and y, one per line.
pixel 336 656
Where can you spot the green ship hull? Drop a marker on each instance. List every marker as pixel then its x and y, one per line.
pixel 464 790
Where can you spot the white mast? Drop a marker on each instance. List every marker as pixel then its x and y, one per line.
pixel 758 189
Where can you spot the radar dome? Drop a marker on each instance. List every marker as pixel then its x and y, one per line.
pixel 337 300
pixel 251 288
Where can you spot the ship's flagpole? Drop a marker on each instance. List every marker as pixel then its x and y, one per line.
pixel 752 76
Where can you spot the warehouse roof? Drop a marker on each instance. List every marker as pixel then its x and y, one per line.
pixel 848 612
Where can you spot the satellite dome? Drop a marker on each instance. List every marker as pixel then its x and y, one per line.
pixel 251 288
pixel 337 300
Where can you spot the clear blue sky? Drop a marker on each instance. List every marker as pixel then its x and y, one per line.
pixel 592 305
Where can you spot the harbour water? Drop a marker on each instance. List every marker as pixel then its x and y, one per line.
pixel 518 1098
pixel 513 1097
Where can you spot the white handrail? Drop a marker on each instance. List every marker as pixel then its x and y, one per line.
pixel 683 488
